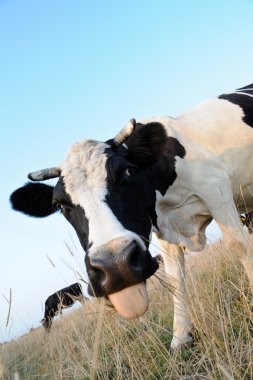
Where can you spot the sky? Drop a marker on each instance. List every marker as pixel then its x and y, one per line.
pixel 71 70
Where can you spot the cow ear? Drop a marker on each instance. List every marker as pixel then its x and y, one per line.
pixel 147 144
pixel 34 199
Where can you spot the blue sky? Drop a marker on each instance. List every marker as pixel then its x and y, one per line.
pixel 76 69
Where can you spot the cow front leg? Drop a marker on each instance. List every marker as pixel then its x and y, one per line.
pixel 173 256
pixel 236 239
pixel 237 242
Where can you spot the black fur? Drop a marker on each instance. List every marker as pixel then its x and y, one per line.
pixel 34 199
pixel 249 86
pixel 62 299
pixel 75 215
pixel 147 143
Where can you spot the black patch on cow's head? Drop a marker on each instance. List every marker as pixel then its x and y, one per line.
pixel 74 214
pixel 40 200
pixel 146 144
pixel 242 97
pixel 135 173
pixel 33 199
pixel 163 171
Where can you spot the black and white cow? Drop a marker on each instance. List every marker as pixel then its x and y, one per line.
pixel 171 174
pixel 62 299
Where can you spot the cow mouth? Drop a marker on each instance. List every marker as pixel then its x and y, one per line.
pixel 131 302
pixel 110 273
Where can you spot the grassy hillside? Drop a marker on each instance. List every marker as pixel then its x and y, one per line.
pixel 222 321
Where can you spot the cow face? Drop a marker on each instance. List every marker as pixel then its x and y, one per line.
pixel 107 192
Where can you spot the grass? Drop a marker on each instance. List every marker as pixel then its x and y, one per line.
pixel 220 310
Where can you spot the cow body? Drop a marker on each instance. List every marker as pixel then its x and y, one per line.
pixel 171 174
pixel 211 178
pixel 60 300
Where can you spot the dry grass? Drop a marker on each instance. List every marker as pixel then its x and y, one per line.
pixel 222 323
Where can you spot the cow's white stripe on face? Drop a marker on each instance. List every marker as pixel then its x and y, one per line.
pixel 84 173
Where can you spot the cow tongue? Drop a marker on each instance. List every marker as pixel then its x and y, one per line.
pixel 131 302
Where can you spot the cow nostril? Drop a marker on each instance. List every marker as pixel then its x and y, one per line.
pixel 118 265
pixel 99 275
pixel 135 258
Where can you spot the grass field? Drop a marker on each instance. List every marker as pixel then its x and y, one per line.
pixel 220 307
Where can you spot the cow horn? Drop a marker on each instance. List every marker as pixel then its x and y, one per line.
pixel 42 175
pixel 125 132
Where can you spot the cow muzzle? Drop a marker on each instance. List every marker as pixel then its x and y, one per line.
pixel 118 271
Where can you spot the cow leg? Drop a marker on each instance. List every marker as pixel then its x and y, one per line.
pixel 237 242
pixel 173 256
pixel 235 237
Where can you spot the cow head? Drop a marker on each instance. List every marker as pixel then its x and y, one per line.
pixel 107 191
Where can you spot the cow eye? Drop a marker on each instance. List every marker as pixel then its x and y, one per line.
pixel 130 171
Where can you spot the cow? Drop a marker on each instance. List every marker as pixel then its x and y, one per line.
pixel 247 220
pixel 60 300
pixel 163 174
